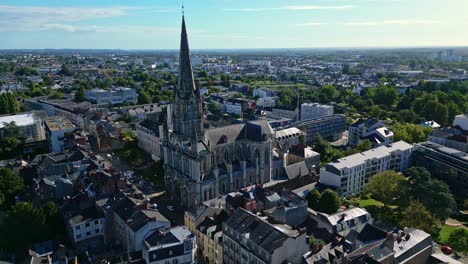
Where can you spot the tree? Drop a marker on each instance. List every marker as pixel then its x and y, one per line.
pixel 432 193
pixel 417 216
pixel 214 107
pixel 384 94
pixel 315 243
pixel 436 111
pixel 327 153
pixel 329 202
pixel 10 185
pixel 407 116
pixel 345 69
pixel 364 145
pixel 458 240
pixel 80 95
pixel 143 97
pixel 385 186
pixel 410 133
pixel 313 198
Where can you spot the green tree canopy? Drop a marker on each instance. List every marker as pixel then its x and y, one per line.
pixel 386 187
pixel 417 216
pixel 329 202
pixel 432 193
pixel 10 185
pixel 458 240
pixel 313 199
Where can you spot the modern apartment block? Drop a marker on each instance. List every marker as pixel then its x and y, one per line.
pixel 248 238
pixel 447 164
pixel 350 174
pixel 115 96
pixel 55 129
pixel 315 110
pixel 372 129
pixel 328 127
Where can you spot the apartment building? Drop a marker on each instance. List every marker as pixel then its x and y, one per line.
pixel 372 129
pixel 328 127
pixel 350 174
pixel 115 96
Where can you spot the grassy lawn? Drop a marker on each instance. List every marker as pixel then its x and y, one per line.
pixel 368 202
pixel 445 232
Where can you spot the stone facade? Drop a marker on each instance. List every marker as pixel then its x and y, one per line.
pixel 201 164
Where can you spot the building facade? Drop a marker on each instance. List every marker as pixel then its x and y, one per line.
pixel 200 164
pixel 446 164
pixel 328 127
pixel 115 96
pixel 55 129
pixel 149 135
pixel 372 129
pixel 176 246
pixel 350 174
pixel 30 125
pixel 247 238
pixel 315 110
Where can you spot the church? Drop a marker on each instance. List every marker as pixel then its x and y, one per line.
pixel 202 163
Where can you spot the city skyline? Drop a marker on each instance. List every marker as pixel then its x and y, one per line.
pixel 230 24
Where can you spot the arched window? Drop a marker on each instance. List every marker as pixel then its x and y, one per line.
pixel 205 194
pixel 239 153
pixel 224 187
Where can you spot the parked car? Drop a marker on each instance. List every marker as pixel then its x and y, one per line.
pixel 447 250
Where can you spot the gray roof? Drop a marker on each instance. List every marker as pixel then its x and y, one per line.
pixel 260 232
pixel 377 153
pixel 254 131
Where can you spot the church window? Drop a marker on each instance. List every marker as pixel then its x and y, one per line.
pixel 226 155
pixel 224 187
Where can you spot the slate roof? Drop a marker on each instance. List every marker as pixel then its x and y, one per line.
pixel 296 169
pixel 261 233
pixel 365 122
pixel 136 215
pixel 151 125
pixel 254 131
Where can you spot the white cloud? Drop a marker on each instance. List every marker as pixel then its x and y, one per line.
pixel 311 24
pixel 291 8
pixel 31 18
pixel 393 22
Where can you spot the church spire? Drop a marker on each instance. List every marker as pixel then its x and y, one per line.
pixel 186 84
pixel 187 107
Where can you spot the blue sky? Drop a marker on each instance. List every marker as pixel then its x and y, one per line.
pixel 225 24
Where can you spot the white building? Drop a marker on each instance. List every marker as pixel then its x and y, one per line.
pixel 29 123
pixel 315 110
pixel 264 63
pixel 115 96
pixel 342 222
pixel 176 246
pixel 372 129
pixel 84 224
pixel 350 174
pixel 461 121
pixel 149 135
pixel 267 101
pixel 55 129
pixel 264 92
pixel 232 108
